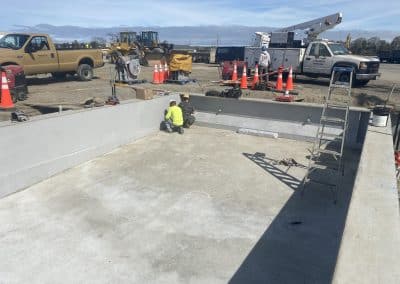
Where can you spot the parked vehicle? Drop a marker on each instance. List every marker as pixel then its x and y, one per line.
pixel 313 57
pixel 319 59
pixel 240 54
pixel 36 54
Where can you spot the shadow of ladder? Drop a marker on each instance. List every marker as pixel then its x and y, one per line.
pixel 329 144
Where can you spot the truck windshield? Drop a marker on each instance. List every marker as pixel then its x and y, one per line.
pixel 13 41
pixel 338 49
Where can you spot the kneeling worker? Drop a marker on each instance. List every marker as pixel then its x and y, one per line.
pixel 174 118
pixel 187 110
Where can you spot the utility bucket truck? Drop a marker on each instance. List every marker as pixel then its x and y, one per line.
pixel 316 57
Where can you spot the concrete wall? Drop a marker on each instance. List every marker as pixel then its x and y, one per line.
pixel 46 145
pixel 370 246
pixel 289 120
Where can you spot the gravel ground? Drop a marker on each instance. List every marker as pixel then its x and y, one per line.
pixel 46 94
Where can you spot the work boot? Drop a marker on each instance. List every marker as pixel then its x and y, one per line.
pixel 180 130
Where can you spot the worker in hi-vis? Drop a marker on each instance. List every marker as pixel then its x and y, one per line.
pixel 264 62
pixel 174 118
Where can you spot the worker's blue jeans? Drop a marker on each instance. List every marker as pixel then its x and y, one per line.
pixel 171 127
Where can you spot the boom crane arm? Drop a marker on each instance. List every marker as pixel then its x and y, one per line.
pixel 315 27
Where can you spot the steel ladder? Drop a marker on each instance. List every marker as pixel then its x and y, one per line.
pixel 327 151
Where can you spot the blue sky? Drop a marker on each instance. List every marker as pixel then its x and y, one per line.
pixel 357 14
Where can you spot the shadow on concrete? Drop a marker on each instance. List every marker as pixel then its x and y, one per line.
pixel 51 80
pixel 366 100
pixel 301 244
pixel 269 165
pixel 45 109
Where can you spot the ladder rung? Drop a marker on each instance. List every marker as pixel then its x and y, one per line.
pixel 334 106
pixel 332 102
pixel 325 166
pixel 342 86
pixel 321 182
pixel 331 135
pixel 325 141
pixel 331 152
pixel 332 119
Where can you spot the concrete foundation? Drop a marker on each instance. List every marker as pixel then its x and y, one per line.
pixel 209 206
pixel 203 207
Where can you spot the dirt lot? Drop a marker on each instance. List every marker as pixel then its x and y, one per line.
pixel 46 94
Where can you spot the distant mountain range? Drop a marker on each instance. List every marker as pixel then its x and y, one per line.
pixel 189 35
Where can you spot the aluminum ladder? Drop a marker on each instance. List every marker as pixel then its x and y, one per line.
pixel 327 150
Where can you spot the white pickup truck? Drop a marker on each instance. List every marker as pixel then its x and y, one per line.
pixel 319 58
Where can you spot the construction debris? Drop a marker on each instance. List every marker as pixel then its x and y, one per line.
pixel 19 116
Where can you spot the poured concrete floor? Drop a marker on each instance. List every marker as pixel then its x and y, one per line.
pixel 170 208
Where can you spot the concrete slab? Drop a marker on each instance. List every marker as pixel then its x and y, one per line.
pixel 194 208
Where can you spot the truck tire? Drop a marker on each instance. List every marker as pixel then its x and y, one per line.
pixel 85 72
pixel 345 77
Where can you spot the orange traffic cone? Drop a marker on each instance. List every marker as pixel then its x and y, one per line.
pixel 289 82
pixel 256 78
pixel 279 82
pixel 234 74
pixel 156 75
pixel 166 70
pixel 161 75
pixel 5 97
pixel 243 81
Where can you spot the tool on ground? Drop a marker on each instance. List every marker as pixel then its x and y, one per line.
pixel 112 100
pixel 94 102
pixel 234 93
pixel 19 116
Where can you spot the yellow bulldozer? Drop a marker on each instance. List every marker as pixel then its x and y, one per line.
pixel 145 47
pixel 126 45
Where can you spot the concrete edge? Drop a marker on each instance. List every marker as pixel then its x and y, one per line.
pixel 370 246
